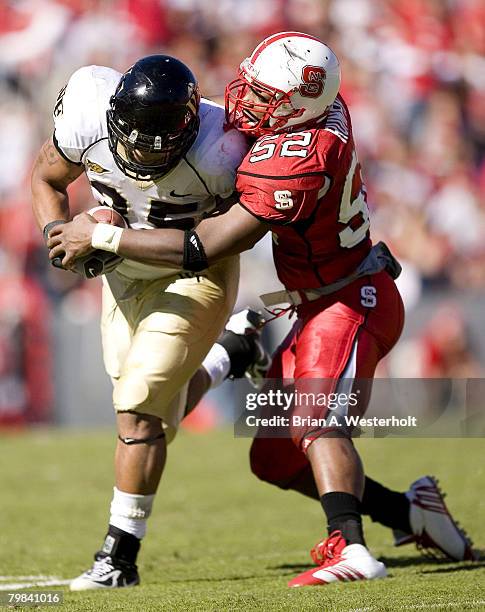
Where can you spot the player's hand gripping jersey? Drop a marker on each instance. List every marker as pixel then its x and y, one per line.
pixel 205 174
pixel 308 186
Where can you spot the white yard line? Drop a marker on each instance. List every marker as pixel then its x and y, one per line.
pixel 33 581
pixel 36 577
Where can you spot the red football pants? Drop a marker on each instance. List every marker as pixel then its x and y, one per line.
pixel 344 334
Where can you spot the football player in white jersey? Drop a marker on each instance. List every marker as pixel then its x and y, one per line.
pixel 157 154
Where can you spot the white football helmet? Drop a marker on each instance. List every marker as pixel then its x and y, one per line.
pixel 289 82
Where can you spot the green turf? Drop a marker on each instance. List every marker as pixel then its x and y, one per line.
pixel 219 539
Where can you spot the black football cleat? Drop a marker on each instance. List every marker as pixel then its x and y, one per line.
pixel 106 573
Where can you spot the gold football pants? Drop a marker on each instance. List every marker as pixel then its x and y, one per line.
pixel 156 333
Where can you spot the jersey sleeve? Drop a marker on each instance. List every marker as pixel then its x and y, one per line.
pixel 281 201
pixel 80 110
pixel 283 177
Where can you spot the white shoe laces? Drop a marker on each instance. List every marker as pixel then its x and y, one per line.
pixel 101 568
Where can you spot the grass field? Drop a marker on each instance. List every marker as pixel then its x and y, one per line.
pixel 219 539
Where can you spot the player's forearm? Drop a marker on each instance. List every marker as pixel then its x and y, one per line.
pixel 155 246
pixel 48 204
pixel 219 237
pixel 213 239
pixel 50 179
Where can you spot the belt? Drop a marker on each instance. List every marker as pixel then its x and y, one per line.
pixel 378 259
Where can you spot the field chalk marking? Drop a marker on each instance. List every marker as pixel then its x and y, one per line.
pixel 32 581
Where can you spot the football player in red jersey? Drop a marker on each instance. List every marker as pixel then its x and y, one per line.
pixel 301 180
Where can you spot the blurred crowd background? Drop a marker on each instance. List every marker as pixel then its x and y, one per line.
pixel 414 78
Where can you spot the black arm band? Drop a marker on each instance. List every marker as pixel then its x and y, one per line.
pixel 195 258
pixel 50 226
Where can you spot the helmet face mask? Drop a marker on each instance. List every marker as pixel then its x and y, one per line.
pixel 153 117
pixel 256 108
pixel 164 150
pixel 288 83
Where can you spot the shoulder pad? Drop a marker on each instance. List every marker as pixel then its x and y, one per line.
pixel 80 110
pixel 217 152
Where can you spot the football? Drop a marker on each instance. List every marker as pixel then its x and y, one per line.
pixel 100 262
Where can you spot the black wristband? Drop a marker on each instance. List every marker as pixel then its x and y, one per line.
pixel 195 258
pixel 50 226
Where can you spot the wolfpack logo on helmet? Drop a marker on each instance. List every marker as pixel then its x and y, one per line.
pixel 313 78
pixel 205 171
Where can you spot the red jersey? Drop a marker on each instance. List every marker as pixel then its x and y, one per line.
pixel 308 186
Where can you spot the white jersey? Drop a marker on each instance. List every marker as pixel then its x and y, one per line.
pixel 180 198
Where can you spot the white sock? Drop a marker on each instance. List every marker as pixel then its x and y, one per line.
pixel 130 512
pixel 217 364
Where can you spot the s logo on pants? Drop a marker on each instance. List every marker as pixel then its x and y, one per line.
pixel 368 296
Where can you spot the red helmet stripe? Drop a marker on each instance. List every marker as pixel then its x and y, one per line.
pixel 271 39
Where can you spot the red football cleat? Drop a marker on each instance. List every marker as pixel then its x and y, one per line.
pixel 339 562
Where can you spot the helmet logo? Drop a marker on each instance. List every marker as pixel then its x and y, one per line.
pixel 313 78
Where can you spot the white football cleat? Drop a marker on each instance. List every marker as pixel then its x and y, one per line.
pixel 106 573
pixel 340 562
pixel 435 532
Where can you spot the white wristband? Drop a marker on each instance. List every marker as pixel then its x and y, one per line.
pixel 217 364
pixel 106 237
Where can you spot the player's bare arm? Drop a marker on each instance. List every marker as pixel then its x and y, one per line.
pixel 51 176
pixel 233 232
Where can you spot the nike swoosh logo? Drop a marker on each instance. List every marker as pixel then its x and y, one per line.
pixel 179 195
